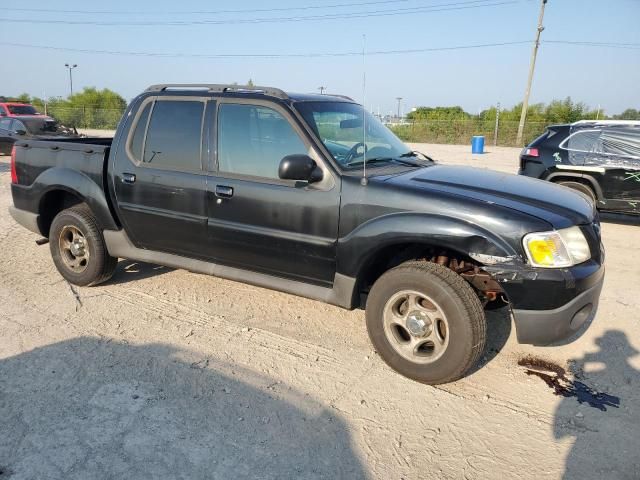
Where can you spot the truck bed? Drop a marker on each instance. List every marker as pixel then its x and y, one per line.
pixel 85 155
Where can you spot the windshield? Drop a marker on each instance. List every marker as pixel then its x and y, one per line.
pixel 22 110
pixel 340 126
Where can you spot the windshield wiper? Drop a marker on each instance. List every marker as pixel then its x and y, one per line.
pixel 413 153
pixel 384 159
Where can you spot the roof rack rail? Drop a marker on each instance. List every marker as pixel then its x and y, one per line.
pixel 607 122
pixel 346 97
pixel 219 88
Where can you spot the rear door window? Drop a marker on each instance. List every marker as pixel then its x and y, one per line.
pixel 174 135
pixel 252 140
pixel 5 123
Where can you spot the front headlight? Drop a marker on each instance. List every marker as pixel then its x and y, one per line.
pixel 557 249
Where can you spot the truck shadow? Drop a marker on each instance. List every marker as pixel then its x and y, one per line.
pixel 90 408
pixel 600 411
pixel 498 331
pixel 130 270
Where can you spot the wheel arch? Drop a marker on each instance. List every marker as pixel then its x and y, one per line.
pixel 583 178
pixel 63 188
pixel 387 242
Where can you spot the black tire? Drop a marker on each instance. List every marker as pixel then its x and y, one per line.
pixel 582 188
pixel 99 265
pixel 465 318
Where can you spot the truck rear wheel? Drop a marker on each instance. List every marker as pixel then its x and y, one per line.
pixel 426 322
pixel 78 248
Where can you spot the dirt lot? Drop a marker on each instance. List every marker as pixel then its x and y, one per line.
pixel 162 373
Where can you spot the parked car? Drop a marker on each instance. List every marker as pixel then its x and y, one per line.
pixel 311 195
pixel 14 109
pixel 30 127
pixel 600 159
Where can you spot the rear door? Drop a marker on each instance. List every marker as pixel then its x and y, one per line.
pixel 258 221
pixel 159 181
pixel 620 145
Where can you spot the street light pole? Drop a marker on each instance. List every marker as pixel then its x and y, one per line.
pixel 70 67
pixel 399 99
pixel 525 103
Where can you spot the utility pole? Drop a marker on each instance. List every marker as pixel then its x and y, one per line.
pixel 532 66
pixel 495 131
pixel 399 99
pixel 70 67
pixel 322 89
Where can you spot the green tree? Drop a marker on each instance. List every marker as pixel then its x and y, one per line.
pixel 628 114
pixel 91 108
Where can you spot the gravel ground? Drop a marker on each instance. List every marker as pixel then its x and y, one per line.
pixel 162 373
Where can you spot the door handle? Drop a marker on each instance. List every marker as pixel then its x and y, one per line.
pixel 223 191
pixel 128 178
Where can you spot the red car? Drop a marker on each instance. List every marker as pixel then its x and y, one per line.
pixel 14 109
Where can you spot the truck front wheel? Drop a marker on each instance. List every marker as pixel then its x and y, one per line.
pixel 78 248
pixel 426 322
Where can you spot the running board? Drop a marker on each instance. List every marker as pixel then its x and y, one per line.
pixel 119 245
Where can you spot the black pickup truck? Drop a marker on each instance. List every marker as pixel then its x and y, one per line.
pixel 311 195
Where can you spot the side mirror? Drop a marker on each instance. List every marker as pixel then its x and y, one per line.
pixel 299 167
pixel 21 132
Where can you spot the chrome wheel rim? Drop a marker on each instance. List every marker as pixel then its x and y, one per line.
pixel 416 326
pixel 74 249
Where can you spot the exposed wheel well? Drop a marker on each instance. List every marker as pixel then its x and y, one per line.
pixel 583 181
pixel 52 203
pixel 393 255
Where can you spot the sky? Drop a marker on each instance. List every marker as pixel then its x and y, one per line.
pixel 474 78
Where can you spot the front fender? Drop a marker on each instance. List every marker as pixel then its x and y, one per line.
pixel 74 182
pixel 360 246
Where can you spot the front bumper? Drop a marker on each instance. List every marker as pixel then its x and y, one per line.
pixel 544 327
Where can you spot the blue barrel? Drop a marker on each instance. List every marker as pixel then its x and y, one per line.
pixel 477 144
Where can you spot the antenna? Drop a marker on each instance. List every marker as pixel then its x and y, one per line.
pixel 363 182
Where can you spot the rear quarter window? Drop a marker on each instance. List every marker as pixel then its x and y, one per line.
pixel 621 142
pixel 137 139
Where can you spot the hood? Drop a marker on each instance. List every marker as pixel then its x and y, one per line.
pixel 559 206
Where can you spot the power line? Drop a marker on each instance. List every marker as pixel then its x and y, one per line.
pixel 314 54
pixel 633 46
pixel 203 12
pixel 262 55
pixel 473 4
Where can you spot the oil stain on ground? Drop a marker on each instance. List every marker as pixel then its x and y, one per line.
pixel 556 378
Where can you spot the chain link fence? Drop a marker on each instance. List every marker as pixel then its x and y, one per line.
pixel 430 131
pixel 86 117
pixel 460 131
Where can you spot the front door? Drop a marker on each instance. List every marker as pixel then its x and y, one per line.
pixel 257 221
pixel 160 182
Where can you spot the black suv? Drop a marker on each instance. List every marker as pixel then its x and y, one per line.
pixel 312 195
pixel 601 159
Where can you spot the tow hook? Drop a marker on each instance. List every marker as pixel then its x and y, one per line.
pixel 42 241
